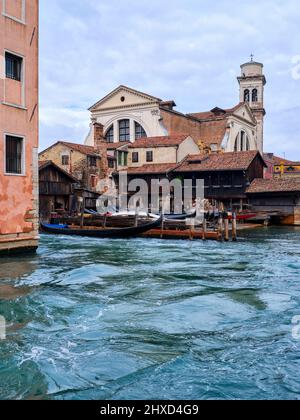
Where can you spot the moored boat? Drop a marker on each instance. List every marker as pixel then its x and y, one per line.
pixel 127 232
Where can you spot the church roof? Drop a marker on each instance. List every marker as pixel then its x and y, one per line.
pixel 216 113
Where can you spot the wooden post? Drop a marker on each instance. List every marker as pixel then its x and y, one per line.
pixel 192 229
pixel 162 226
pixel 104 221
pixel 221 226
pixel 82 214
pixel 204 228
pixel 226 221
pixel 234 227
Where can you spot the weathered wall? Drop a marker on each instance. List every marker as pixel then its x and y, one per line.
pixel 78 164
pixel 19 117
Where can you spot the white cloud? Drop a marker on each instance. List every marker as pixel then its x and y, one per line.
pixel 189 51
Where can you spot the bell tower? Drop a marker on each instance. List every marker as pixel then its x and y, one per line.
pixel 252 83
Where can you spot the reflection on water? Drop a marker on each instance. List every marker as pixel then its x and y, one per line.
pixel 146 319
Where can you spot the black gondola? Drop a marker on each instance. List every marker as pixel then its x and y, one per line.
pixel 128 232
pixel 180 216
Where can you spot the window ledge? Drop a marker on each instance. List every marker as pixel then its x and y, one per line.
pixel 22 22
pixel 18 175
pixel 14 106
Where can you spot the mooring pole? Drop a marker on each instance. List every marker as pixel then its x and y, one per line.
pixel 204 228
pixel 221 226
pixel 226 222
pixel 234 227
pixel 82 213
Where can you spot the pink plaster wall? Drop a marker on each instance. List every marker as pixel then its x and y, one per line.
pixel 16 192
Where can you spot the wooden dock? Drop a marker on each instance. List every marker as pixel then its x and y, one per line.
pixel 182 234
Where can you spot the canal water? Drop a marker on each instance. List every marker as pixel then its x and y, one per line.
pixel 151 319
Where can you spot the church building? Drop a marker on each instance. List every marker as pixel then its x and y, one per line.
pixel 128 115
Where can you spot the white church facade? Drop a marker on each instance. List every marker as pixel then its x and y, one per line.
pixel 128 115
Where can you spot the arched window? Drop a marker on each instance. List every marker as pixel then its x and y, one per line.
pixel 247 95
pixel 124 130
pixel 139 131
pixel 110 135
pixel 254 95
pixel 242 142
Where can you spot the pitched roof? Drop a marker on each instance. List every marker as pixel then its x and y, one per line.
pixel 114 146
pixel 44 164
pixel 234 161
pixel 160 168
pixel 274 185
pixel 164 141
pixel 277 160
pixel 129 89
pixel 85 150
pixel 216 113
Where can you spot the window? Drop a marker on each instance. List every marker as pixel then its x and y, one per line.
pixel 111 163
pixel 122 158
pixel 242 142
pixel 254 95
pixel 110 135
pixel 124 130
pixel 14 155
pixel 65 160
pixel 149 156
pixel 13 66
pixel 135 157
pixel 139 131
pixel 92 161
pixel 93 181
pixel 247 95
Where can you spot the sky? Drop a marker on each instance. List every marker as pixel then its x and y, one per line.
pixel 189 51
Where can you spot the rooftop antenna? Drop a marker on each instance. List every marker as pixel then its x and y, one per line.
pixel 251 56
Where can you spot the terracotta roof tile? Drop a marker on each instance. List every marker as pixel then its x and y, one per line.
pixel 165 141
pixel 274 185
pixel 162 168
pixel 86 150
pixel 277 160
pixel 218 162
pixel 216 113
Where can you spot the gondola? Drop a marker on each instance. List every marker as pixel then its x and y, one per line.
pixel 128 232
pixel 180 216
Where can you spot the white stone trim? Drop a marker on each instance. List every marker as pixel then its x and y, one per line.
pixel 23 78
pixel 23 18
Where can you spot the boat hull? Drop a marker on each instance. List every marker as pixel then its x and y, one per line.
pixel 101 233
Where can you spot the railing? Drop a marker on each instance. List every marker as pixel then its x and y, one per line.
pixel 55 188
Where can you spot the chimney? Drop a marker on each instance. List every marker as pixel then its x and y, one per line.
pixel 100 145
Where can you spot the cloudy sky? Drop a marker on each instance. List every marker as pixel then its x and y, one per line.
pixel 189 51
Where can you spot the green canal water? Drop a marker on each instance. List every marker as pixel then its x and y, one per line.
pixel 151 319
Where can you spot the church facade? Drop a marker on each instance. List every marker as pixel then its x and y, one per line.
pixel 128 115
